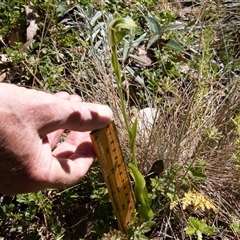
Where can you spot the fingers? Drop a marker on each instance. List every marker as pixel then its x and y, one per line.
pixel 71 160
pixel 47 113
pixel 69 171
pixel 71 144
pixel 73 115
pixel 54 137
pixel 63 95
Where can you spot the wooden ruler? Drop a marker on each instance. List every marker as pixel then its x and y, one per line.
pixel 109 154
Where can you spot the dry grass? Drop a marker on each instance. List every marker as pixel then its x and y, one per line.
pixel 192 124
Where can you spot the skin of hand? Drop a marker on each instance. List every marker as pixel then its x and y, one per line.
pixel 31 124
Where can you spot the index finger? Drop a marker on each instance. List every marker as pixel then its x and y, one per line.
pixel 54 113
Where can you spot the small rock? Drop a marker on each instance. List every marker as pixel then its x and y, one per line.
pixel 146 118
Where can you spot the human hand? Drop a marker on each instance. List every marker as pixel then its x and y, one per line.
pixel 31 124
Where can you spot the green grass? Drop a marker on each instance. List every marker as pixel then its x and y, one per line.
pixel 196 102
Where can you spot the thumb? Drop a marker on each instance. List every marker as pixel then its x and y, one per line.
pixel 53 113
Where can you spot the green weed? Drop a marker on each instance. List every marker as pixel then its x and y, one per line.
pixel 198 227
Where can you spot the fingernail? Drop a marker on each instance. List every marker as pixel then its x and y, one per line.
pixel 75 98
pixel 105 114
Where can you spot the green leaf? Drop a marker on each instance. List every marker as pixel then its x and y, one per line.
pixel 190 231
pixel 175 45
pixel 96 16
pixel 133 134
pixel 130 45
pixel 154 25
pixel 197 176
pixel 153 39
pixel 236 226
pixel 174 27
pixel 204 228
pixel 139 59
pixel 191 23
pixel 137 78
pixel 201 225
pixel 150 224
pixel 196 172
pixel 61 9
pixel 146 226
pixel 194 222
pixel 142 38
pixel 141 193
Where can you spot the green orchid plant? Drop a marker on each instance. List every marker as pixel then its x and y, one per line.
pixel 116 31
